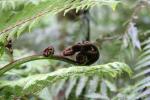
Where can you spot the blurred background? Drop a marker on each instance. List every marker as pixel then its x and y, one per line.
pixel 121 35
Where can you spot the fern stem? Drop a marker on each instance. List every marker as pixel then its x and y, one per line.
pixel 32 58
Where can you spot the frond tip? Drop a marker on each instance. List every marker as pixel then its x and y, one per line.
pixel 37 82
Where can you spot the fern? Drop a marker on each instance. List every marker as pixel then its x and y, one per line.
pixel 140 90
pixel 142 87
pixel 21 19
pixel 35 83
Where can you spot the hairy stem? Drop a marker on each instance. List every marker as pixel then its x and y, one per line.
pixel 88 29
pixel 86 16
pixel 32 58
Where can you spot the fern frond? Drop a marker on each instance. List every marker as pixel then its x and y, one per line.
pixel 144 60
pixel 141 88
pixel 30 12
pixel 37 82
pixel 81 84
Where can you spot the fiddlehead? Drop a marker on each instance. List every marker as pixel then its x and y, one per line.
pixel 86 52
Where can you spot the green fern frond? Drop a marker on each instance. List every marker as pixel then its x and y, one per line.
pixel 144 60
pixel 37 82
pixel 31 12
pixel 141 88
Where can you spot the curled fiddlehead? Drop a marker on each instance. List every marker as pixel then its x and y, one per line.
pixel 86 52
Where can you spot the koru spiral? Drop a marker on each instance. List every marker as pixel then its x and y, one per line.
pixel 85 52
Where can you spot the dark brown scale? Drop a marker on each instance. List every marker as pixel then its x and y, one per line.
pixel 48 51
pixel 9 46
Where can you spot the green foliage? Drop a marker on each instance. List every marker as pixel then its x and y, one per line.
pixel 24 15
pixel 142 86
pixel 35 83
pixel 140 89
pixel 121 36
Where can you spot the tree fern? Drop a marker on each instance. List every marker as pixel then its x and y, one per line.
pixel 142 87
pixel 30 12
pixel 35 83
pixel 140 90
